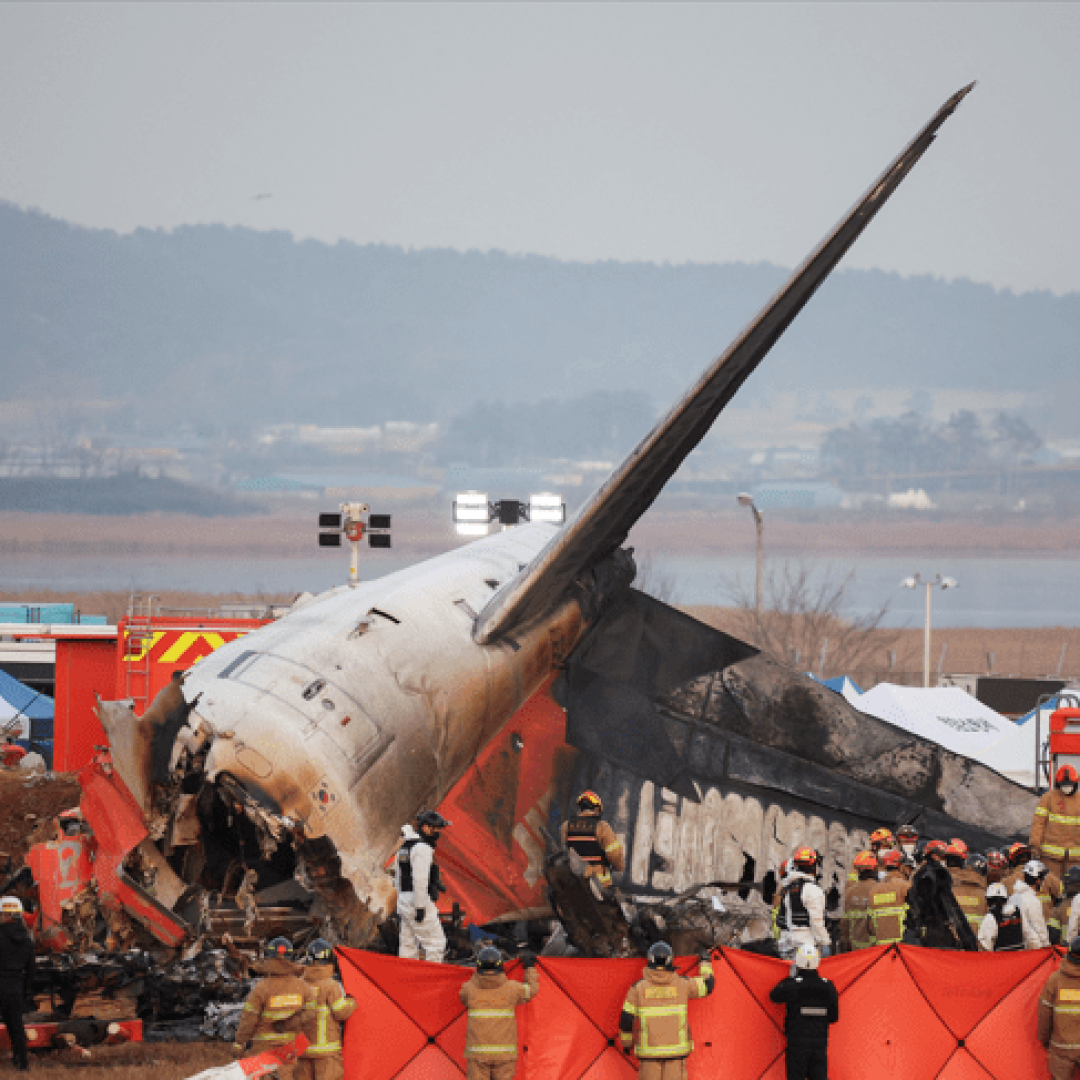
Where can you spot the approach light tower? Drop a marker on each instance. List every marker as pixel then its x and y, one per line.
pixel 349 521
pixel 474 513
pixel 939 582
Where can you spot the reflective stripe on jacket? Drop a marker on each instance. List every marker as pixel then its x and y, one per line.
pixel 325 1012
pixel 657 1006
pixel 492 1000
pixel 1059 1010
pixel 970 892
pixel 888 908
pixel 856 929
pixel 595 841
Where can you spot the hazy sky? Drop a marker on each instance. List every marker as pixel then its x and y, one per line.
pixel 703 132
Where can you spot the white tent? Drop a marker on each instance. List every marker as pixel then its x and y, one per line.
pixel 945 715
pixel 1014 756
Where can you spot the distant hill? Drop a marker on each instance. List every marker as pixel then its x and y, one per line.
pixel 210 322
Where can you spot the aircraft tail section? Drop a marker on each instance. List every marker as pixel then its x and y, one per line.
pixel 602 524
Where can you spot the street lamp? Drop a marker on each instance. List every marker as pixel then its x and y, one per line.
pixel 746 499
pixel 939 582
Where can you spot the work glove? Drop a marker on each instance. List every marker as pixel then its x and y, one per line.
pixel 420 913
pixel 528 959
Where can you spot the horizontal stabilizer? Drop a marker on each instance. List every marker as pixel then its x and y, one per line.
pixel 602 524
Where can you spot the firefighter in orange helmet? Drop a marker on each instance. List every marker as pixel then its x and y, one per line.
pixel 888 905
pixel 802 906
pixel 1050 887
pixel 856 926
pixel 997 866
pixel 1055 828
pixel 968 887
pixel 594 840
pixel 654 1015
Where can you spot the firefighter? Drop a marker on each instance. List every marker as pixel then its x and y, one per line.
pixel 802 906
pixel 654 1015
pixel 1055 828
pixel 1050 888
pixel 997 866
pixel 274 1011
pixel 907 840
pixel 882 840
pixel 785 868
pixel 417 881
pixel 1025 898
pixel 16 976
pixel 1059 1016
pixel 1002 929
pixel 888 908
pixel 934 918
pixel 812 1006
pixel 1059 921
pixel 325 1013
pixel 856 927
pixel 492 1000
pixel 967 886
pixel 594 840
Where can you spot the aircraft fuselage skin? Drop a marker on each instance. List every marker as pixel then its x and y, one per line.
pixel 365 703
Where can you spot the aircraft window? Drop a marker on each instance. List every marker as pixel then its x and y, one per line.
pixel 313 689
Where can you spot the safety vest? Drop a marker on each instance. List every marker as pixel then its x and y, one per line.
pixel 1055 829
pixel 792 914
pixel 404 857
pixel 595 842
pixel 888 908
pixel 491 1000
pixel 1010 935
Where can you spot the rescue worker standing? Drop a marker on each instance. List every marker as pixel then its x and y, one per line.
pixel 416 879
pixel 654 1017
pixel 802 907
pixel 856 927
pixel 1026 900
pixel 1058 923
pixel 907 840
pixel 274 1011
pixel 594 840
pixel 1059 1016
pixel 812 1005
pixel 492 1000
pixel 887 906
pixel 1002 929
pixel 16 974
pixel 967 885
pixel 325 1013
pixel 1055 828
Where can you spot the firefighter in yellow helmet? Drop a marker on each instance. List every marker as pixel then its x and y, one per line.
pixel 856 926
pixel 654 1020
pixel 492 999
pixel 325 1013
pixel 1055 828
pixel 274 1011
pixel 594 840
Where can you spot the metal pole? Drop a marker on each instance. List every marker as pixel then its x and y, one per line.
pixel 760 544
pixel 926 639
pixel 354 564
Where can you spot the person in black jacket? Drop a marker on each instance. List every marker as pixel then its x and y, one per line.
pixel 16 974
pixel 812 1005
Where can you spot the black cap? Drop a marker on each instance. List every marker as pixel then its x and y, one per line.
pixel 432 818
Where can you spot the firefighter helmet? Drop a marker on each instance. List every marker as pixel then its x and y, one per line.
pixel 806 858
pixel 1066 775
pixel 807 958
pixel 662 956
pixel 320 951
pixel 959 844
pixel 489 959
pixel 281 947
pixel 1018 853
pixel 866 860
pixel 935 847
pixel 589 802
pixel 997 891
pixel 881 837
pixel 1072 875
pixel 891 859
pixel 954 852
pixel 907 832
pixel 996 860
pixel 1034 869
pixel 432 818
pixel 1074 949
pixel 977 863
pixel 11 905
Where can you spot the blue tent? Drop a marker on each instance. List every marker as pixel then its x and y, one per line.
pixel 38 710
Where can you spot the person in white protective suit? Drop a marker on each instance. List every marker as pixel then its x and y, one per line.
pixel 801 917
pixel 1025 900
pixel 416 878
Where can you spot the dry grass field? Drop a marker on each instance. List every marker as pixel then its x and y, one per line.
pixel 132 1061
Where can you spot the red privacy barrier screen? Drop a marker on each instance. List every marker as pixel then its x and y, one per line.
pixel 906 1013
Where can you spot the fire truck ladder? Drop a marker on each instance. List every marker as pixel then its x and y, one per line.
pixel 139 638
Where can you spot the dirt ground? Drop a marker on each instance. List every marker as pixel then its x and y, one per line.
pixel 133 1061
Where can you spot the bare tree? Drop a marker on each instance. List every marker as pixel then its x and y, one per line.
pixel 805 620
pixel 655 581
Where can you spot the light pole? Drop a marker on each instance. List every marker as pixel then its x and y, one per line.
pixel 939 582
pixel 746 499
